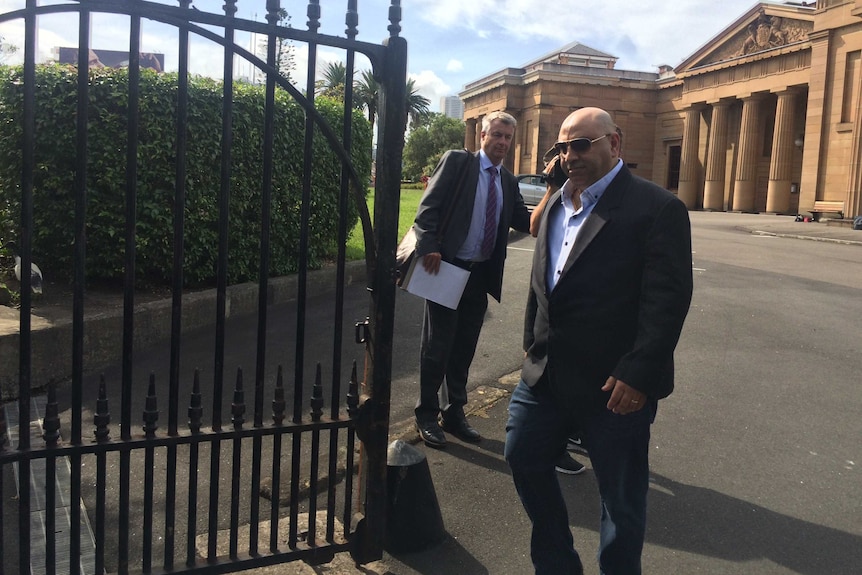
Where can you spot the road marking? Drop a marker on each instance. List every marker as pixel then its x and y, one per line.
pixel 521 249
pixel 698 269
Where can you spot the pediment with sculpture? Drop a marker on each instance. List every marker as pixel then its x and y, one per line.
pixel 765 32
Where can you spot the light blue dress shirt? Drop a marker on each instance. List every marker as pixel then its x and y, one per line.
pixel 565 224
pixel 471 249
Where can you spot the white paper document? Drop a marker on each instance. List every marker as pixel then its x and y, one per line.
pixel 444 288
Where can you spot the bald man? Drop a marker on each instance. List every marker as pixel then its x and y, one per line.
pixel 610 289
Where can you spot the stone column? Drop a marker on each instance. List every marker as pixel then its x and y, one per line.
pixel 853 201
pixel 477 142
pixel 470 134
pixel 781 163
pixel 818 121
pixel 746 171
pixel 716 159
pixel 688 180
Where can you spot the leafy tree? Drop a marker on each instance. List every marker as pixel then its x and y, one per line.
pixel 423 121
pixel 6 49
pixel 284 56
pixel 427 143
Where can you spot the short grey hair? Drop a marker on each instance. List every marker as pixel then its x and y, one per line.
pixel 507 119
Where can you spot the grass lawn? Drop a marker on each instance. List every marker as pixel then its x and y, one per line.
pixel 406 213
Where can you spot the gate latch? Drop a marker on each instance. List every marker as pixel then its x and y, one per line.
pixel 363 330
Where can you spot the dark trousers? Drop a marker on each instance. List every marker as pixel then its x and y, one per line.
pixel 618 447
pixel 449 338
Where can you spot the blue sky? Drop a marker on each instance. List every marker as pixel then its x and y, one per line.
pixel 451 42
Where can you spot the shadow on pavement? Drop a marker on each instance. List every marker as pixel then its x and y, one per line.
pixel 709 523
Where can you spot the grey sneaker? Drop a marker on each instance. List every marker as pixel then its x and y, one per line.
pixel 566 464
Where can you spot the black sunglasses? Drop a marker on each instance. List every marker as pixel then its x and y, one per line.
pixel 578 145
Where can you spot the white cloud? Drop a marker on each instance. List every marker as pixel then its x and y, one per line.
pixel 642 34
pixel 454 65
pixel 460 14
pixel 431 86
pixel 13 33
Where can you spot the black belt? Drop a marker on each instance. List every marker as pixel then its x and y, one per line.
pixel 467 264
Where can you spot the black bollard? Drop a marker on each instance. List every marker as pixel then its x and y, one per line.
pixel 413 519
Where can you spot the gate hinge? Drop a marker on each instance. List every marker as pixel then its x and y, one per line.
pixel 363 330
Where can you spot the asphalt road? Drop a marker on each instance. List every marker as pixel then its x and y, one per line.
pixel 755 457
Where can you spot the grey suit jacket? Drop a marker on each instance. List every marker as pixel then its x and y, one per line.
pixel 619 306
pixel 434 204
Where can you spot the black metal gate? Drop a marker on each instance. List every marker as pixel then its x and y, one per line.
pixel 187 469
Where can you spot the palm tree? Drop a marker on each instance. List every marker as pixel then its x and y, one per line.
pixel 365 95
pixel 333 81
pixel 417 105
pixel 367 90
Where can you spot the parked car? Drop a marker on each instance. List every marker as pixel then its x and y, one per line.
pixel 532 188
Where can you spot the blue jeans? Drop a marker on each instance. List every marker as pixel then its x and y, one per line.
pixel 618 446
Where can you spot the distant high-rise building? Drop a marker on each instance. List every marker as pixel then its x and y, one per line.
pixel 452 106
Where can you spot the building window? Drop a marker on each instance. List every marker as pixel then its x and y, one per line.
pixel 674 157
pixel 528 139
pixel 851 78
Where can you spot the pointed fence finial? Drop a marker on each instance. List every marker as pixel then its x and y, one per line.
pixel 151 409
pixel 51 422
pixel 317 397
pixel 353 394
pixel 237 408
pixel 102 419
pixel 278 403
pixel 196 410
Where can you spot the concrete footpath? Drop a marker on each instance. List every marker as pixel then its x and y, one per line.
pixel 487 529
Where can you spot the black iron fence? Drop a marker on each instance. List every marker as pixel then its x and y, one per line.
pixel 165 493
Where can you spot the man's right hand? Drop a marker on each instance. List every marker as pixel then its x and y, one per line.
pixel 431 262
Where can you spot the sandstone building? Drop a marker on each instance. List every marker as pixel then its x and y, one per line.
pixel 766 117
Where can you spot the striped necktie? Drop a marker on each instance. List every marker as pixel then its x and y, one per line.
pixel 490 237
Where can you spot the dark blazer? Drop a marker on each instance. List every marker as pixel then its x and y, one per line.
pixel 619 306
pixel 435 202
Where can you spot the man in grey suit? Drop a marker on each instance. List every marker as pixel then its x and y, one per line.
pixel 609 292
pixel 487 203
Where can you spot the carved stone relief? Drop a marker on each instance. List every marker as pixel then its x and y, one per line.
pixel 764 33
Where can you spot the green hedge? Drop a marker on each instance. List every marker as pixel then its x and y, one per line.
pixel 54 175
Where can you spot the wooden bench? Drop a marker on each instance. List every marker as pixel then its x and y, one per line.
pixel 827 207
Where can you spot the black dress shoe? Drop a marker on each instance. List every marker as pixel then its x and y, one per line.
pixel 431 434
pixel 462 430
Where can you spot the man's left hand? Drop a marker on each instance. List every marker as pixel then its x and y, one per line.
pixel 624 398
